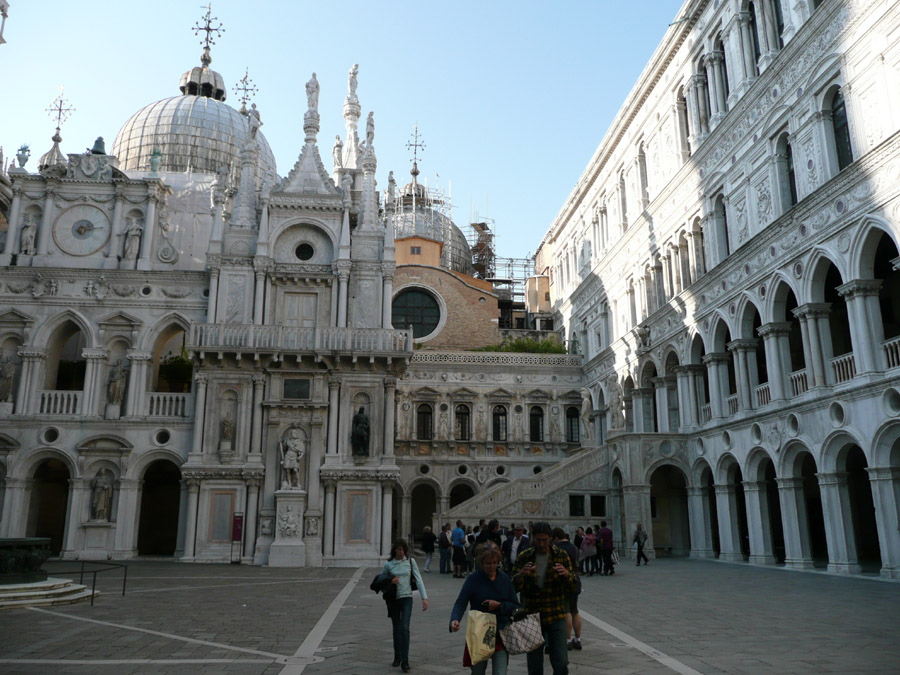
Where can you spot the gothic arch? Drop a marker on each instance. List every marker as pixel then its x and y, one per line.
pixel 26 467
pixel 151 334
pixel 717 337
pixel 834 449
pixel 865 241
pixel 777 288
pixel 827 70
pixel 137 468
pixel 726 461
pixel 812 288
pixel 744 324
pixel 699 466
pixel 670 350
pixel 788 464
pixel 777 119
pixel 46 329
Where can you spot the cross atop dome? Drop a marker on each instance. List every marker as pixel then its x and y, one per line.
pixel 415 146
pixel 212 32
pixel 246 88
pixel 61 108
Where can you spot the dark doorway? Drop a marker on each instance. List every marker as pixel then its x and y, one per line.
pixel 460 493
pixel 671 528
pixel 49 503
pixel 740 503
pixel 862 507
pixel 160 497
pixel 423 504
pixel 815 516
pixel 709 494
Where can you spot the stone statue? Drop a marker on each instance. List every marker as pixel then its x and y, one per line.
pixel 288 523
pixel 29 229
pixel 337 153
pixel 155 160
pixel 586 410
pixel 228 428
pixel 312 527
pixel 352 80
pixel 359 436
pixel 616 401
pixel 370 129
pixel 643 336
pixel 132 239
pixel 555 428
pixel 347 185
pixel 573 344
pixel 115 385
pixel 101 497
pixel 7 373
pixel 392 187
pixel 444 427
pixel 292 451
pixel 253 121
pixel 312 93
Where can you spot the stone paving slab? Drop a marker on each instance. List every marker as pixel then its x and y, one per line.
pixel 704 616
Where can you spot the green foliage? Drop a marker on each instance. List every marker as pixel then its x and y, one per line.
pixel 526 345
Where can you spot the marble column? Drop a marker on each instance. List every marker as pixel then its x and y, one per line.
pixel 190 530
pixel 333 404
pixel 74 517
pixel 715 364
pixel 386 515
pixel 838 523
pixel 136 399
pixel 390 404
pixel 143 262
pixel 885 483
pixel 196 450
pixel 15 508
pixel 29 386
pixel 739 350
pixel 115 243
pixel 250 522
pixel 258 294
pixel 701 535
pixel 866 334
pixel 758 523
pixel 94 390
pixel 12 231
pixel 259 384
pixel 797 545
pixel 387 300
pixel 343 278
pixel 687 406
pixel 729 530
pixel 213 295
pixel 662 404
pixel 775 336
pixel 128 517
pixel 406 519
pixel 44 236
pixel 750 68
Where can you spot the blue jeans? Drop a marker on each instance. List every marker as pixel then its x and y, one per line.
pixel 555 637
pixel 445 560
pixel 401 628
pixel 498 667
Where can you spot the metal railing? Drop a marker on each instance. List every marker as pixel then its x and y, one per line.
pixel 844 368
pixel 102 567
pixel 799 383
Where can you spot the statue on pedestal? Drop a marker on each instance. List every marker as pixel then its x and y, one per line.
pixel 586 410
pixel 292 452
pixel 228 428
pixel 359 436
pixel 337 152
pixel 352 80
pixel 29 230
pixel 132 239
pixel 616 417
pixel 312 93
pixel 101 496
pixel 115 384
pixel 370 129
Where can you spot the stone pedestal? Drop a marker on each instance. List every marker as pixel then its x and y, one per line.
pixel 289 549
pixel 113 411
pixel 6 409
pixel 99 539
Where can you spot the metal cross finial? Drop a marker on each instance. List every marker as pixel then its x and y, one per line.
pixel 60 109
pixel 208 28
pixel 416 145
pixel 245 88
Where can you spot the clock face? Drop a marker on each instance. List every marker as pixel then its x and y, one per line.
pixel 81 230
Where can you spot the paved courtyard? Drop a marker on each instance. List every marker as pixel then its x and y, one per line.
pixel 672 616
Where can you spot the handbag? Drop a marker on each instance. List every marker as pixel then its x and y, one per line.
pixel 481 635
pixel 413 586
pixel 523 634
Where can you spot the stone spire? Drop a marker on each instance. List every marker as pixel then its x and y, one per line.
pixel 245 212
pixel 352 111
pixel 369 207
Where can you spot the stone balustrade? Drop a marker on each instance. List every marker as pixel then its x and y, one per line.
pixel 60 402
pixel 892 352
pixel 164 404
pixel 216 337
pixel 799 382
pixel 843 367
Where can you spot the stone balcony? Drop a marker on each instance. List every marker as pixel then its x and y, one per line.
pixel 240 339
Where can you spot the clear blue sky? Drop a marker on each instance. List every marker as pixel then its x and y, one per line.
pixel 512 98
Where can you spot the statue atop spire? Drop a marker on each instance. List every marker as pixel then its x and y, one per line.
pixel 370 129
pixel 352 111
pixel 312 93
pixel 352 83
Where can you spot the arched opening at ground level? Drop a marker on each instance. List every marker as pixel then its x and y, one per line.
pixel 709 497
pixel 460 493
pixel 669 512
pixel 815 515
pixel 49 503
pixel 773 508
pixel 862 509
pixel 160 497
pixel 423 506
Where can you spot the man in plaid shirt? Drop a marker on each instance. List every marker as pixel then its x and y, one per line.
pixel 544 576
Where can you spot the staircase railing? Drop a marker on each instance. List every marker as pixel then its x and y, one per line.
pixel 78 567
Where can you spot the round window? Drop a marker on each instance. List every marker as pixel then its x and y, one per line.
pixel 304 251
pixel 418 309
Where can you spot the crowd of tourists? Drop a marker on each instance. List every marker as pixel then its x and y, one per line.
pixel 521 588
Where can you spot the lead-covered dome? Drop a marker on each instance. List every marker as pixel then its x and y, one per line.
pixel 195 131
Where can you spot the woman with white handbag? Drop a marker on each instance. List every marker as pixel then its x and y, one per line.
pixel 490 591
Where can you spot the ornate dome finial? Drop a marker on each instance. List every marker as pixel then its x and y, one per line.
pixel 203 81
pixel 211 31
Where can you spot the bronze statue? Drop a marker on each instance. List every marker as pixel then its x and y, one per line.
pixel 359 437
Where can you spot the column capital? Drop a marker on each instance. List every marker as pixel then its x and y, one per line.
pixel 695 491
pixel 95 353
pixel 790 483
pixel 883 473
pixel 390 383
pixel 202 379
pixel 812 310
pixel 29 354
pixel 859 287
pixel 334 383
pixel 743 345
pixel 715 357
pixel 836 478
pixel 754 486
pixel 135 355
pixel 259 379
pixel 775 328
pixel 726 489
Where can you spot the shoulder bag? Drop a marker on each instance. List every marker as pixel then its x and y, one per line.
pixel 523 634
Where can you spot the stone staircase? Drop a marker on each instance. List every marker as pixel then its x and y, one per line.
pixel 534 497
pixel 43 594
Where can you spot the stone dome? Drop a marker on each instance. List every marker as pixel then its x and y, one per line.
pixel 198 133
pixel 431 222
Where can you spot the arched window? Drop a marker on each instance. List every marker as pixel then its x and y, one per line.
pixel 65 362
pixel 784 169
pixel 536 424
pixel 721 223
pixel 463 417
pixel 499 423
pixel 840 132
pixel 573 433
pixel 424 423
pixel 642 171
